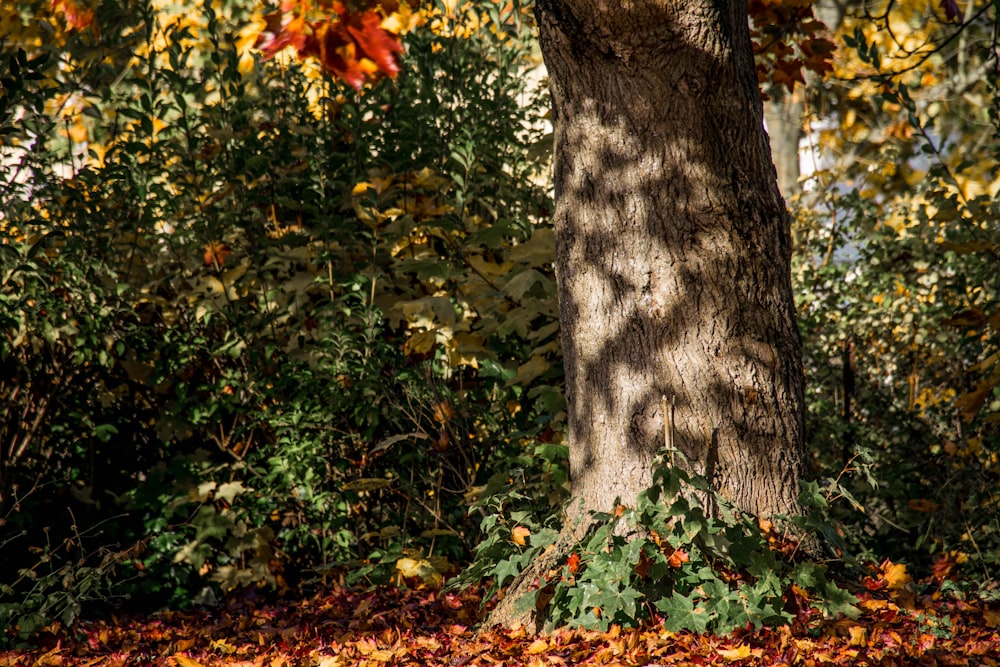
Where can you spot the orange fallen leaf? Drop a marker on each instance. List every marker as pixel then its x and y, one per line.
pixel 573 563
pixel 184 661
pixel 678 558
pixel 537 646
pixel 741 652
pixel 895 575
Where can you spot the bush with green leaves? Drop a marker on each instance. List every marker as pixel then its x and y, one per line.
pixel 899 300
pixel 259 327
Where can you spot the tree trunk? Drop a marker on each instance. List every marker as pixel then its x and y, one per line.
pixel 784 129
pixel 672 254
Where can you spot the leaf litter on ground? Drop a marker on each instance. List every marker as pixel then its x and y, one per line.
pixel 899 625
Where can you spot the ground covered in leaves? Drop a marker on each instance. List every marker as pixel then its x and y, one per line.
pixel 395 626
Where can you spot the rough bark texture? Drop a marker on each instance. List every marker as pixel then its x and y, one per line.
pixel 672 251
pixel 672 254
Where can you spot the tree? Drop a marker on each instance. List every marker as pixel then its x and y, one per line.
pixel 673 256
pixel 672 253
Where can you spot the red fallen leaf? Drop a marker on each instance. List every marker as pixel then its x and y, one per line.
pixel 451 601
pixel 216 253
pixel 678 558
pixel 874 584
pixel 943 566
pixel 643 566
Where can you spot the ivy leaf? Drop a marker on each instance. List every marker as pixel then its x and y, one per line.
pixel 681 614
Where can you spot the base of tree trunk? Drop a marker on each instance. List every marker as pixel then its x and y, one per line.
pixel 533 577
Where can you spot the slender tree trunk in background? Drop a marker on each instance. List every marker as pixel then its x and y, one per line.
pixel 784 117
pixel 672 254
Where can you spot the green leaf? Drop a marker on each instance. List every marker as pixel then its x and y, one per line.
pixel 680 614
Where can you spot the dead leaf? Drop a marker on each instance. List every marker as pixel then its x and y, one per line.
pixel 184 661
pixel 741 652
pixel 520 535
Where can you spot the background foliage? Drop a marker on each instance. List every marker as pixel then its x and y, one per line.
pixel 258 327
pixel 261 328
pixel 897 275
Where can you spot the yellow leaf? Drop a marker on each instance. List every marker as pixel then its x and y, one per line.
pixel 222 646
pixel 421 342
pixel 527 372
pixel 973 401
pixel 895 575
pixel 184 661
pixel 741 652
pixel 538 646
pixel 539 250
pixel 464 350
pixel 858 634
pixel 361 188
pixel 520 535
pixel 419 568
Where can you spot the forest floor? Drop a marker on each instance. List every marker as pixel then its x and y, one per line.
pixel 392 626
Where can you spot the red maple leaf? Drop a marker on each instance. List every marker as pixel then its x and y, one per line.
pixel 331 44
pixel 352 45
pixel 378 45
pixel 77 17
pixel 216 253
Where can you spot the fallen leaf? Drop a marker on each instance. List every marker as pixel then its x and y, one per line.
pixel 520 535
pixel 678 558
pixel 184 661
pixel 741 652
pixel 895 575
pixel 537 646
pixel 573 562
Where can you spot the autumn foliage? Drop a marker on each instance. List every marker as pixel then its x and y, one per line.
pixel 77 15
pixel 789 41
pixel 432 629
pixel 356 41
pixel 266 326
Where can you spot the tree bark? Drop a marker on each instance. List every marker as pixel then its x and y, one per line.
pixel 672 254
